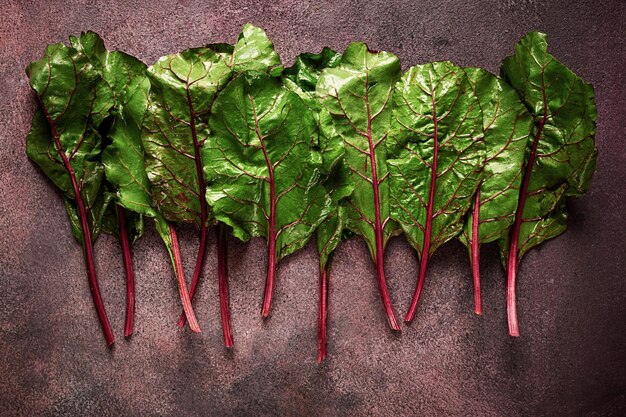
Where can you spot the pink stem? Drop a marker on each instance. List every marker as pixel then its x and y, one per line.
pixel 203 204
pixel 196 273
pixel 128 267
pixel 222 274
pixel 425 254
pixel 511 304
pixel 87 244
pixel 475 245
pixel 182 286
pixel 271 254
pixel 378 226
pixel 322 314
pixel 271 238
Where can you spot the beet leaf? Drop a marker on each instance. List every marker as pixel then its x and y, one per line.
pixel 125 76
pixel 262 175
pixel 183 90
pixel 124 163
pixel 335 174
pixel 438 153
pixel 65 143
pixel 357 93
pixel 560 156
pixel 506 125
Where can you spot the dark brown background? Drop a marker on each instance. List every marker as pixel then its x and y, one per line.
pixel 570 359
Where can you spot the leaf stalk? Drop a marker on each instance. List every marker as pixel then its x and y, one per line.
pixel 128 267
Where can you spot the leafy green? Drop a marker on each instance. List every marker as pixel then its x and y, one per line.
pixel 560 157
pixel 123 158
pixel 337 144
pixel 302 78
pixel 357 93
pixel 506 125
pixel 438 152
pixel 308 67
pixel 261 179
pixel 184 87
pixel 64 142
pixel 335 174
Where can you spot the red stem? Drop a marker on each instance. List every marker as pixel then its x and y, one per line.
pixel 425 254
pixel 378 226
pixel 475 247
pixel 87 244
pixel 511 304
pixel 271 254
pixel 196 273
pixel 322 314
pixel 203 206
pixel 182 286
pixel 128 267
pixel 271 236
pixel 222 275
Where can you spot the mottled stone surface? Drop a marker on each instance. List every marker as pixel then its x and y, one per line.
pixel 570 359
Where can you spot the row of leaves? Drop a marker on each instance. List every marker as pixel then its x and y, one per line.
pixel 336 145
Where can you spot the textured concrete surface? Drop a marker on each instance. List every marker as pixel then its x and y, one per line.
pixel 570 359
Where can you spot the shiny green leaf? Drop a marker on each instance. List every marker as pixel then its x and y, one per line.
pixel 357 94
pixel 561 152
pixel 506 125
pixel 254 51
pixel 184 87
pixel 74 101
pixel 308 67
pixel 335 174
pixel 123 157
pixel 438 153
pixel 260 179
pixel 64 141
pixel 436 145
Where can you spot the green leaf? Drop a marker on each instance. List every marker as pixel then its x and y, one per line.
pixel 66 86
pixel 308 67
pixel 339 185
pixel 561 153
pixel 64 142
pixel 123 73
pixel 335 174
pixel 254 51
pixel 260 180
pixel 73 103
pixel 438 154
pixel 436 112
pixel 506 125
pixel 183 89
pixel 123 157
pixel 357 94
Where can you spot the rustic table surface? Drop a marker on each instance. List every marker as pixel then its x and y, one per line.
pixel 569 360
